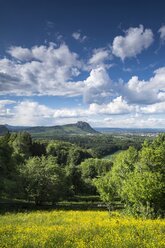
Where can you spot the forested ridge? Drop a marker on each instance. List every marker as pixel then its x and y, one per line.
pixel 80 127
pixel 54 170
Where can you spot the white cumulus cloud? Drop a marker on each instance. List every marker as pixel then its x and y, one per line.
pixel 133 43
pixel 97 85
pixel 99 57
pixel 115 107
pixel 44 70
pixel 146 92
pixel 20 53
pixel 32 113
pixel 157 108
pixel 116 113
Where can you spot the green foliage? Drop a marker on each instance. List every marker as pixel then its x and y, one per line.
pixel 123 165
pixel 138 179
pixel 67 153
pixel 73 174
pixel 21 143
pixel 152 156
pixel 104 144
pixel 44 180
pixel 5 156
pixel 144 192
pixel 107 189
pixel 93 168
pixel 60 150
pixel 7 166
pixel 45 171
pixel 77 155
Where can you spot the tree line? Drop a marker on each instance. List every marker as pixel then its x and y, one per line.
pixel 42 171
pixel 52 170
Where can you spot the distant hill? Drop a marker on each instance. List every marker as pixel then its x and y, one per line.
pixel 3 129
pixel 78 128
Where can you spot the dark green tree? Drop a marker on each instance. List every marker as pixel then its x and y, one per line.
pixel 93 168
pixel 77 155
pixel 60 150
pixel 7 168
pixel 44 179
pixel 22 144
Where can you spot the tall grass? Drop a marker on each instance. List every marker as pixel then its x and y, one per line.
pixel 78 229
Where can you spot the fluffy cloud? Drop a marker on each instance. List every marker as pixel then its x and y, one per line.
pixel 162 33
pixel 20 53
pixel 157 108
pixel 103 96
pixel 146 92
pixel 124 114
pixel 79 37
pixel 43 70
pixel 54 70
pixel 134 42
pixel 97 86
pixel 51 70
pixel 70 113
pixel 99 57
pixel 36 114
pixel 135 121
pixel 116 107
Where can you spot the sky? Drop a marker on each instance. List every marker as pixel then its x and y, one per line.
pixel 63 61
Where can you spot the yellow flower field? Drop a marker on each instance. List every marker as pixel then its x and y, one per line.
pixel 79 229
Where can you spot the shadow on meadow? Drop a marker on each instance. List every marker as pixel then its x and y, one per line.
pixel 74 203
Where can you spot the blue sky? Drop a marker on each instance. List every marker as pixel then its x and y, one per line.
pixel 95 61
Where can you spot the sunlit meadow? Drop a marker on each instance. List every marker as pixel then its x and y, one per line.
pixel 79 229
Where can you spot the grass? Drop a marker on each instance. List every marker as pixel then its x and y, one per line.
pixel 79 229
pixel 77 202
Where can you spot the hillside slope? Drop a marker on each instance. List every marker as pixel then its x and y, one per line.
pixel 78 128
